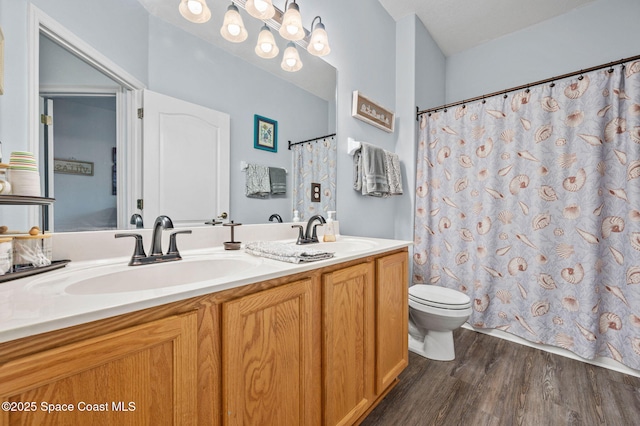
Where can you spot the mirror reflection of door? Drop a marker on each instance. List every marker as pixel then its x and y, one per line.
pixel 80 129
pixel 80 161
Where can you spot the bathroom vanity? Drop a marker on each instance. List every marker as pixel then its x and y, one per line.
pixel 269 343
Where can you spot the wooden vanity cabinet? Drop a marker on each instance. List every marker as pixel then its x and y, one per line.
pixel 140 375
pixel 271 357
pixel 348 343
pixel 317 347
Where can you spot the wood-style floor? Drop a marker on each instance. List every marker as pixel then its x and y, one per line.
pixel 497 382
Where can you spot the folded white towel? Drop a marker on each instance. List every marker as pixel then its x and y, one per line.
pixel 286 252
pixel 258 184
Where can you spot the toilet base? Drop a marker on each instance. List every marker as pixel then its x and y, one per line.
pixel 437 345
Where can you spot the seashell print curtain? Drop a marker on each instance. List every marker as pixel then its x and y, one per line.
pixel 314 162
pixel 530 204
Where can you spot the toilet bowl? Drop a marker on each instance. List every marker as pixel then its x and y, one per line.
pixel 434 312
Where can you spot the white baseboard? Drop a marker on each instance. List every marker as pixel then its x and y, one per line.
pixel 600 362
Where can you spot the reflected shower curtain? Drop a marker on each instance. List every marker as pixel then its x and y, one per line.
pixel 314 162
pixel 530 204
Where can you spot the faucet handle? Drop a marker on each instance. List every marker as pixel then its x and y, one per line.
pixel 300 234
pixel 138 252
pixel 173 246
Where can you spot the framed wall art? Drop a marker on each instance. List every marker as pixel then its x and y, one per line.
pixel 265 133
pixel 370 112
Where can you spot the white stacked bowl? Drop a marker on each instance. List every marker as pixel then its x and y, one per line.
pixel 23 174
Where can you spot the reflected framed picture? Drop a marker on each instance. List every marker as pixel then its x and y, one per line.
pixel 265 133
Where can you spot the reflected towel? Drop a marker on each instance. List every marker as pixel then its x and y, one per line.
pixel 374 174
pixel 286 252
pixel 392 163
pixel 278 178
pixel 357 170
pixel 257 181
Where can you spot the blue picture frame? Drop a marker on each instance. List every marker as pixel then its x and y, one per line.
pixel 265 133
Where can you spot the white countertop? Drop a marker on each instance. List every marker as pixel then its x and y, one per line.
pixel 42 303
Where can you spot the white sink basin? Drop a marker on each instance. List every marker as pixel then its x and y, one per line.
pixel 122 278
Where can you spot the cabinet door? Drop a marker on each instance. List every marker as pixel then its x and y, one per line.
pixel 348 346
pixel 392 301
pixel 141 375
pixel 271 357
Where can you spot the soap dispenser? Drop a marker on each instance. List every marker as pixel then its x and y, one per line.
pixel 329 229
pixel 296 216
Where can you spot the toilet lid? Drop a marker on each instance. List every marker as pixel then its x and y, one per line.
pixel 440 297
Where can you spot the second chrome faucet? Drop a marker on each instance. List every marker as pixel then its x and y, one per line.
pixel 310 235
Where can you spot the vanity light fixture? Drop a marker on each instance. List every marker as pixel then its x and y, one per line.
pixel 195 11
pixel 233 28
pixel 266 46
pixel 260 9
pixel 319 41
pixel 291 28
pixel 291 59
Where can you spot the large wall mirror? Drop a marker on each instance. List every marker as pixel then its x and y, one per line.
pixel 180 59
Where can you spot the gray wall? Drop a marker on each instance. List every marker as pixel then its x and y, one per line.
pixel 600 32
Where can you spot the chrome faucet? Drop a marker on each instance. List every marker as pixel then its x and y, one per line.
pixel 310 236
pixel 156 256
pixel 136 220
pixel 275 216
pixel 162 222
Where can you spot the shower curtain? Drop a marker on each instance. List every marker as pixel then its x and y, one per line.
pixel 314 162
pixel 530 204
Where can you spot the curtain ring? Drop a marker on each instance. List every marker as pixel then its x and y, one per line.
pixel 527 90
pixel 444 110
pixel 552 84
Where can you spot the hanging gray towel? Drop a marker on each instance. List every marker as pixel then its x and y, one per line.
pixel 374 173
pixel 278 178
pixel 392 163
pixel 257 181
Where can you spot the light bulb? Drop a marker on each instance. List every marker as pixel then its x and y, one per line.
pixel 291 28
pixel 291 59
pixel 195 7
pixel 233 29
pixel 319 41
pixel 266 46
pixel 261 5
pixel 195 11
pixel 260 9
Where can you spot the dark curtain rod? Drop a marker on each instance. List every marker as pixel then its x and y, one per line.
pixel 526 86
pixel 310 140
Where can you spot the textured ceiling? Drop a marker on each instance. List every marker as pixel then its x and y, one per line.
pixel 458 25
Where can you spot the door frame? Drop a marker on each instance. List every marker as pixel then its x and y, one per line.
pixel 129 129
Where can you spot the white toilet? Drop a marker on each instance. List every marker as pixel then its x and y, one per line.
pixel 434 312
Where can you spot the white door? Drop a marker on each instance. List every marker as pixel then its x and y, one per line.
pixel 185 153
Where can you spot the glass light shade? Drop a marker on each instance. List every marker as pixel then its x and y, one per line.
pixel 266 46
pixel 319 41
pixel 233 28
pixel 260 9
pixel 291 28
pixel 195 11
pixel 291 59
